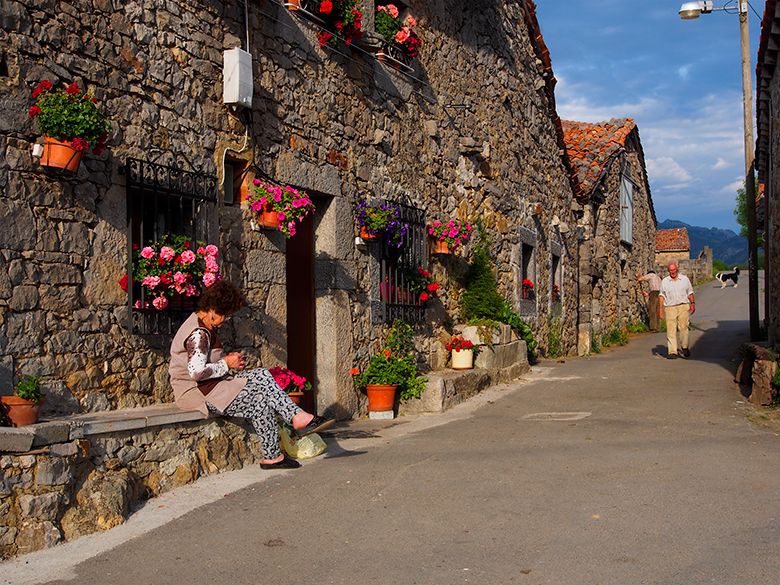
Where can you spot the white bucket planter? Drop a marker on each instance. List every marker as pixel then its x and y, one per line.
pixel 463 359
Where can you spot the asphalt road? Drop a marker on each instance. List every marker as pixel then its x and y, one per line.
pixel 624 468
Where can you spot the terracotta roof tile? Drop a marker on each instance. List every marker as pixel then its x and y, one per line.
pixel 674 240
pixel 591 146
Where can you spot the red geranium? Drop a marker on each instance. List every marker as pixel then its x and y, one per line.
pixel 458 342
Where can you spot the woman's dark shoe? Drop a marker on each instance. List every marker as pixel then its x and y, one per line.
pixel 286 463
pixel 317 424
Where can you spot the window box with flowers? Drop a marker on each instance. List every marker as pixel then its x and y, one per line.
pixel 401 43
pixel 462 353
pixel 527 289
pixel 341 20
pixel 449 236
pixel 279 207
pixel 170 273
pixel 70 122
pixel 384 218
pixel 293 384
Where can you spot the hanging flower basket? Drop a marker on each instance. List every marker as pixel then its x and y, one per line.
pixel 449 236
pixel 60 154
pixel 440 247
pixel 289 206
pixel 401 43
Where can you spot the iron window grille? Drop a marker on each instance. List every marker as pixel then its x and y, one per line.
pixel 396 264
pixel 164 199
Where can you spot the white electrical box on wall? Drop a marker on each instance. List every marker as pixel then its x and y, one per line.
pixel 237 85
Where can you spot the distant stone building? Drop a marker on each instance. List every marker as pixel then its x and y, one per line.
pixel 616 224
pixel 672 245
pixel 768 163
pixel 469 131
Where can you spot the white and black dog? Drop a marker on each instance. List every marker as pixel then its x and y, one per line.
pixel 724 277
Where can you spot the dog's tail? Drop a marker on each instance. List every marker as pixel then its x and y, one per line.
pixel 736 270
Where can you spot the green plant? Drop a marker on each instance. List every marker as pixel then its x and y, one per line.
pixel 485 329
pixel 481 299
pixel 29 388
pixel 638 327
pixel 394 364
pixel 555 338
pixel 616 336
pixel 397 32
pixel 382 217
pixel 67 113
pixel 290 204
pixel 595 344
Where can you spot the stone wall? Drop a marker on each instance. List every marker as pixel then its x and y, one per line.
pixel 471 135
pixel 67 490
pixel 772 212
pixel 697 270
pixel 663 258
pixel 610 296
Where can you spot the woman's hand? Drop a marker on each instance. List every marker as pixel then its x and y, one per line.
pixel 235 360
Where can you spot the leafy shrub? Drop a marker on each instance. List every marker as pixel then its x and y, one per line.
pixel 638 327
pixel 617 336
pixel 554 338
pixel 29 388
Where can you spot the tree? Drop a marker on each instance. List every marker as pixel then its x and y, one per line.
pixel 740 214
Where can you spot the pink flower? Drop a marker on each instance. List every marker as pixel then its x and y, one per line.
pixel 138 305
pixel 147 252
pixel 160 303
pixel 191 291
pixel 209 279
pixel 167 253
pixel 393 10
pixel 211 265
pixel 291 228
pixel 256 206
pixel 255 182
pixel 179 278
pixel 281 216
pixel 151 281
pixel 402 35
pixel 188 257
pixel 212 250
pixel 411 21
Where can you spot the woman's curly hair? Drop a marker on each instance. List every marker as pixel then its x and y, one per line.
pixel 223 297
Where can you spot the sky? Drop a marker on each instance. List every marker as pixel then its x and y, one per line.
pixel 681 81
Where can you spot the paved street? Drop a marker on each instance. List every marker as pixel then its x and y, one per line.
pixel 654 476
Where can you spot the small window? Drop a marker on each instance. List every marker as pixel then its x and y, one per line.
pixel 234 185
pixel 626 210
pixel 528 285
pixel 556 283
pixel 3 65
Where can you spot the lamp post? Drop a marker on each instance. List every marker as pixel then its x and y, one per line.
pixel 689 11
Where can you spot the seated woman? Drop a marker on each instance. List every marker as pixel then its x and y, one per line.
pixel 199 374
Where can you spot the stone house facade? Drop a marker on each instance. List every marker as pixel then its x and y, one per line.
pixel 768 163
pixel 616 225
pixel 470 132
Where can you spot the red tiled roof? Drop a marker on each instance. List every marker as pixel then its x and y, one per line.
pixel 592 146
pixel 674 240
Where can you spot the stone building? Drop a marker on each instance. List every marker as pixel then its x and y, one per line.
pixel 672 245
pixel 768 162
pixel 616 225
pixel 468 131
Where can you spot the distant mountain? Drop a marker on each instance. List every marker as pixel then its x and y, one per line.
pixel 725 244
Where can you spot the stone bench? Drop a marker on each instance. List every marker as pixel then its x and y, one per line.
pixel 755 373
pixel 50 472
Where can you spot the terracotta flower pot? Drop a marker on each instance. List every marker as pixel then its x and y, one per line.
pixel 366 236
pixel 463 359
pixel 296 397
pixel 60 154
pixel 292 4
pixel 20 412
pixel 381 397
pixel 441 247
pixel 268 218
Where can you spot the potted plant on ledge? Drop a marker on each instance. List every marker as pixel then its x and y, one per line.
pixel 70 122
pixel 401 43
pixel 23 406
pixel 461 353
pixel 391 369
pixel 293 384
pixel 382 218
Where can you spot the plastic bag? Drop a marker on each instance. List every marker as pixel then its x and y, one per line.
pixel 303 448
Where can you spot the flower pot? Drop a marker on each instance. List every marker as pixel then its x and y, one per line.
pixel 366 236
pixel 268 218
pixel 296 397
pixel 20 411
pixel 292 4
pixel 462 359
pixel 381 397
pixel 60 154
pixel 441 247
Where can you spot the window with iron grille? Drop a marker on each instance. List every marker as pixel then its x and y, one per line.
pixel 396 266
pixel 165 200
pixel 527 271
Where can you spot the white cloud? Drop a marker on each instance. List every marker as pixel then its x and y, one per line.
pixel 666 168
pixel 732 187
pixel 720 164
pixel 684 72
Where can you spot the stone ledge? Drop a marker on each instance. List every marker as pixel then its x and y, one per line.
pixel 62 430
pixel 755 373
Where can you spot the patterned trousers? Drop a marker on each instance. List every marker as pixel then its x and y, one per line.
pixel 260 401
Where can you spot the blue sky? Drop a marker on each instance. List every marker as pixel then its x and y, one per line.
pixel 680 80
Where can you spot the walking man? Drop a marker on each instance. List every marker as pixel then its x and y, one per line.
pixel 654 281
pixel 676 303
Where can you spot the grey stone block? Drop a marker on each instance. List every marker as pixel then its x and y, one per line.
pixel 381 415
pixel 502 356
pixel 16 440
pixel 51 432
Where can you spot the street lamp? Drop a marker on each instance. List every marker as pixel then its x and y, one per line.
pixel 689 11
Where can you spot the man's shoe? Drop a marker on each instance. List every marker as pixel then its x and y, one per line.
pixel 672 356
pixel 685 352
pixel 317 424
pixel 285 463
